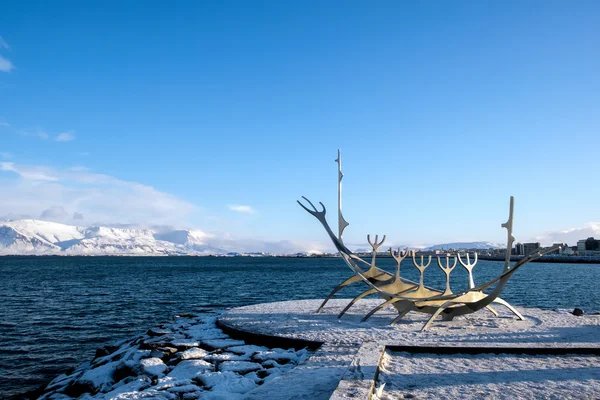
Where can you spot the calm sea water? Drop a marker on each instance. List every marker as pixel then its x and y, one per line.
pixel 55 311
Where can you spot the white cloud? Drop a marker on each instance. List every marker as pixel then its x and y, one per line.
pixel 242 209
pixel 101 198
pixel 30 173
pixel 6 155
pixel 569 236
pixel 56 214
pixel 6 65
pixel 65 136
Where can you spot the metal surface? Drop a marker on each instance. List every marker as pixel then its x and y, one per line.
pixel 407 296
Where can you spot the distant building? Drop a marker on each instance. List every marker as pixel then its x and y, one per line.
pixel 588 247
pixel 519 251
pixel 529 248
pixel 559 250
pixel 568 251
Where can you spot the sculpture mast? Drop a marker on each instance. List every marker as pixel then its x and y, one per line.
pixel 342 224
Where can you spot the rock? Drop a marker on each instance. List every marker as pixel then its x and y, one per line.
pixel 158 332
pixel 578 312
pixel 224 356
pixel 200 332
pixel 186 315
pixel 263 373
pixel 247 349
pixel 158 354
pixel 101 377
pixel 221 343
pixel 193 353
pixel 168 350
pixel 78 388
pixel 226 382
pixel 133 386
pixel 192 395
pixel 191 388
pixel 188 369
pixel 169 382
pixel 280 355
pixel 154 366
pixel 184 343
pixel 123 371
pixel 271 364
pixel 241 367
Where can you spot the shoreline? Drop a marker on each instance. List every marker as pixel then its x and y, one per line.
pixel 545 259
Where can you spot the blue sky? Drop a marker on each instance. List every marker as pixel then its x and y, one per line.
pixel 149 113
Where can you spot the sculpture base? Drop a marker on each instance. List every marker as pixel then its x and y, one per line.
pixel 351 352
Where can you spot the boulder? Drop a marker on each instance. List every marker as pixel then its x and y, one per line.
pixel 578 312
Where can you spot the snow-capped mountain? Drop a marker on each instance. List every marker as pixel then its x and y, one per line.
pixel 466 246
pixel 47 238
pixel 43 237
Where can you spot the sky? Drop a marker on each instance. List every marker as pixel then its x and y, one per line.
pixel 218 116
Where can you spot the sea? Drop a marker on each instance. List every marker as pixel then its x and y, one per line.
pixel 56 311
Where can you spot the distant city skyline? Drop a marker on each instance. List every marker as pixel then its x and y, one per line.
pixel 218 117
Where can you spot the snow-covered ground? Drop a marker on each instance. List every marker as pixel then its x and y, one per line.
pixel 189 358
pixel 297 319
pixel 192 358
pixel 488 376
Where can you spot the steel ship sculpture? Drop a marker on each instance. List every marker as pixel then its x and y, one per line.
pixel 405 295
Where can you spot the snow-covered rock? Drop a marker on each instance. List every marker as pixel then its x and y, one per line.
pixel 241 367
pixel 247 349
pixel 193 353
pixel 154 366
pixel 188 369
pixel 124 371
pixel 222 343
pixel 226 382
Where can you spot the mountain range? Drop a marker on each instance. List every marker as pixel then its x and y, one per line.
pixel 36 237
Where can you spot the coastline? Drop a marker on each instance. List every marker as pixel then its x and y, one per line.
pixel 554 259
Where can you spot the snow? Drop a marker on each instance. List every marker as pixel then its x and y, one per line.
pixel 43 237
pixel 498 376
pixel 278 355
pixel 188 369
pixel 133 386
pixel 348 361
pixel 154 366
pixel 241 367
pixel 193 353
pixel 297 319
pixel 38 237
pixel 35 237
pixel 227 381
pixel 200 332
pixel 247 349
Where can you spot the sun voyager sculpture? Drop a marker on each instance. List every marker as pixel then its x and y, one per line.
pixel 405 295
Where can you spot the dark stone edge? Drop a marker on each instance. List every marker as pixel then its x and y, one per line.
pixel 271 341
